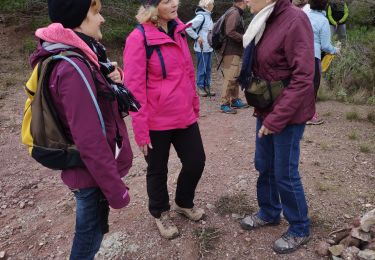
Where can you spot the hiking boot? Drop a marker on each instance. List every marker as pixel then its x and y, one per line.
pixel 227 109
pixel 238 104
pixel 166 227
pixel 253 222
pixel 193 214
pixel 288 243
pixel 315 120
pixel 201 92
pixel 209 92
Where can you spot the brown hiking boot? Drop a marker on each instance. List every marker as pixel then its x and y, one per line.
pixel 194 214
pixel 166 227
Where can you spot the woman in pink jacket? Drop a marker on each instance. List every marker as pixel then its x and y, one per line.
pixel 159 71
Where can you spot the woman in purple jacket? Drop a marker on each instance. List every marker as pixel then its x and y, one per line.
pixel 107 158
pixel 283 52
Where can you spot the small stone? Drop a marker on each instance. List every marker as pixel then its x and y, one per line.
pixel 350 253
pixel 368 205
pixel 236 216
pixel 22 205
pixel 358 233
pixel 4 206
pixel 322 249
pixel 336 258
pixel 368 220
pixel 203 222
pixel 331 241
pixel 366 254
pixel 210 206
pixel 347 216
pixel 30 203
pixel 247 239
pixel 336 250
pixel 2 254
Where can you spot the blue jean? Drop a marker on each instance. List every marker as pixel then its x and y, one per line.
pixel 204 63
pixel 91 223
pixel 279 185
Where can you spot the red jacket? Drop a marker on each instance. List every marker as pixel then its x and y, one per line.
pixel 286 51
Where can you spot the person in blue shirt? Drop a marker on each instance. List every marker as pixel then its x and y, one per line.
pixel 201 25
pixel 322 42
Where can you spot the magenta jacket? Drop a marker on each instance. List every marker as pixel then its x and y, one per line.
pixel 286 51
pixel 170 103
pixel 80 119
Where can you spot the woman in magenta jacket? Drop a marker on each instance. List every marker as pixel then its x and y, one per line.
pixel 284 52
pixel 164 84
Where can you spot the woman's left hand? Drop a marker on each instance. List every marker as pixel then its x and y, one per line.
pixel 115 76
pixel 263 131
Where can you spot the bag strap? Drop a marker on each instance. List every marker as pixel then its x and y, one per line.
pixel 201 26
pixel 150 50
pixel 87 84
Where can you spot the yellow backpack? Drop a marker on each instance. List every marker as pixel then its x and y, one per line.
pixel 42 131
pixel 326 61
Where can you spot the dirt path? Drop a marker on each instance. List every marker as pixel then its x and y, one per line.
pixel 37 210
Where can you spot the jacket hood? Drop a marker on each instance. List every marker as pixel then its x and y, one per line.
pixel 54 39
pixel 201 10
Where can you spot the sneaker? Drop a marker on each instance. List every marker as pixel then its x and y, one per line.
pixel 209 92
pixel 227 109
pixel 288 243
pixel 253 222
pixel 166 227
pixel 193 214
pixel 201 92
pixel 315 120
pixel 238 104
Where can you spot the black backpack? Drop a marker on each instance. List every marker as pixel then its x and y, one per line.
pixel 216 37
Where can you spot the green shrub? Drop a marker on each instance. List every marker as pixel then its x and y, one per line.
pixel 352 116
pixel 362 13
pixel 353 70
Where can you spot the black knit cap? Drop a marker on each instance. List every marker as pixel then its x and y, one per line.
pixel 150 2
pixel 70 13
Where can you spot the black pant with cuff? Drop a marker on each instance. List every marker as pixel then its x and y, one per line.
pixel 189 147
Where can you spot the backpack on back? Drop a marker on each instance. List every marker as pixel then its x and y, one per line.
pixel 42 131
pixel 216 37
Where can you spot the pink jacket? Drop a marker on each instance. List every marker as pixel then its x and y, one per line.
pixel 170 103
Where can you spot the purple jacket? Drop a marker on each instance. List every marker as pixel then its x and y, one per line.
pixel 286 51
pixel 80 120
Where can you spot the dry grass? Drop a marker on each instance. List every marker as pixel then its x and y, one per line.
pixel 371 117
pixel 234 204
pixel 352 115
pixel 353 136
pixel 207 239
pixel 365 148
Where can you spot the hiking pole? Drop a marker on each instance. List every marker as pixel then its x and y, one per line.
pixel 219 62
pixel 205 72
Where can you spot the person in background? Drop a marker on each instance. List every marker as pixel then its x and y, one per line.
pixel 277 26
pixel 200 26
pixel 170 110
pixel 232 50
pixel 98 185
pixel 322 42
pixel 303 4
pixel 337 13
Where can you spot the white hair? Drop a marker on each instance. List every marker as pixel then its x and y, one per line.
pixel 205 3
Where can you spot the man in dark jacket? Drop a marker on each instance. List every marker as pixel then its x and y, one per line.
pixel 232 53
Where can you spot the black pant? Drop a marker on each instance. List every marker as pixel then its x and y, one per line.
pixel 189 147
pixel 317 76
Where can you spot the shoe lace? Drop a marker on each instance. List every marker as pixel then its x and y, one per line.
pixel 166 220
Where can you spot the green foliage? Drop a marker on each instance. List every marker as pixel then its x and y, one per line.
pixel 353 70
pixel 362 12
pixel 29 46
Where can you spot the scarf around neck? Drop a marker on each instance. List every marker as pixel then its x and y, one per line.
pixel 258 25
pixel 251 38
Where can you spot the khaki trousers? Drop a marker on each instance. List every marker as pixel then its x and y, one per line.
pixel 231 69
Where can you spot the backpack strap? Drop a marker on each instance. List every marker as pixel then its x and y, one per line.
pixel 201 26
pixel 150 50
pixel 87 84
